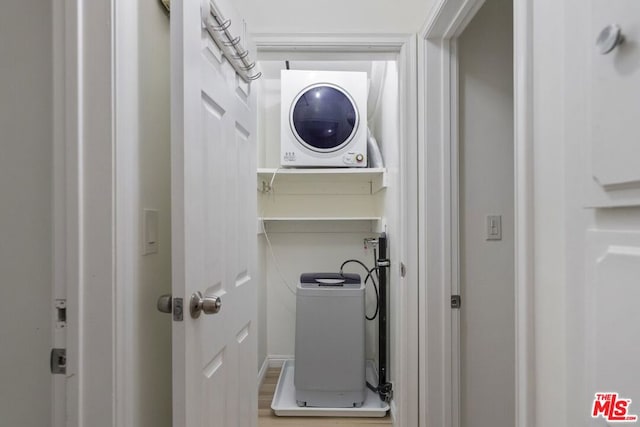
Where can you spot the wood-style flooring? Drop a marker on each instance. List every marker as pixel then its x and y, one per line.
pixel 267 418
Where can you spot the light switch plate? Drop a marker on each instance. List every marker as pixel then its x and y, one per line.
pixel 494 227
pixel 149 231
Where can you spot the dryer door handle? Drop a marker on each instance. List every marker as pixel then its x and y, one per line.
pixel 330 282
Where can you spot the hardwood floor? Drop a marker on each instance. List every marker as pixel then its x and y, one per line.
pixel 266 417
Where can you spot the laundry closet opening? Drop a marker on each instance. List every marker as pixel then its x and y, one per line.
pixel 314 218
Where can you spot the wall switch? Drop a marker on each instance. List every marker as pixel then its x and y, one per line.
pixel 149 231
pixel 494 227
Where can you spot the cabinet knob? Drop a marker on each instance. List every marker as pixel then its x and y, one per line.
pixel 609 38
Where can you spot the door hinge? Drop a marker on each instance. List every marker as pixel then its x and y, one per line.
pixel 456 301
pixel 58 361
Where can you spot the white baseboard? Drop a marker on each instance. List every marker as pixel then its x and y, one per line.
pixel 273 361
pixel 262 373
pixel 277 360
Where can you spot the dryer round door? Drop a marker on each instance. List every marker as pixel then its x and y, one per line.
pixel 323 118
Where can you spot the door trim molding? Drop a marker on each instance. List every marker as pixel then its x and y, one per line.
pixel 126 211
pixel 402 48
pixel 438 188
pixel 438 206
pixel 524 212
pixel 66 179
pixel 84 221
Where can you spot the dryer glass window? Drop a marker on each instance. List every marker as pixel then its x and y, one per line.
pixel 324 118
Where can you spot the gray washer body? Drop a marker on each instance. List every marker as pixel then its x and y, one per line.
pixel 330 341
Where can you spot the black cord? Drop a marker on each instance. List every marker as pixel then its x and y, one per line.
pixel 376 269
pixel 384 390
pixel 366 279
pixel 375 262
pixel 375 287
pixel 372 387
pixel 356 261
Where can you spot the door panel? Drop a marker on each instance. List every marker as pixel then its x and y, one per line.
pixel 613 85
pixel 613 290
pixel 213 162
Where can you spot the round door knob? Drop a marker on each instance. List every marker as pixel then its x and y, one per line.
pixel 609 38
pixel 164 303
pixel 206 305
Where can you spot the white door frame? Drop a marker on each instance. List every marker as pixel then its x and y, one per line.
pixel 404 408
pixel 438 212
pixel 66 204
pixel 92 84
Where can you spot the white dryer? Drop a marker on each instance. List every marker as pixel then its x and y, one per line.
pixel 323 119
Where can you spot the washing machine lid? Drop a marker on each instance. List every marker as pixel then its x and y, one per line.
pixel 332 280
pixel 324 117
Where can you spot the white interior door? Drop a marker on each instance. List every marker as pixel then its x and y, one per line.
pixel 613 257
pixel 213 227
pixel 603 243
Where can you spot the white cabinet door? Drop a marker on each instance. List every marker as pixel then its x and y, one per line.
pixel 600 137
pixel 213 152
pixel 612 138
pixel 613 322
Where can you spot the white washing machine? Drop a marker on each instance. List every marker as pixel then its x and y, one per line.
pixel 330 341
pixel 323 119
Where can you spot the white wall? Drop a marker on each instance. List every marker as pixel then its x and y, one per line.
pixel 298 253
pixel 146 173
pixel 25 212
pixel 385 128
pixel 551 400
pixel 268 117
pixel 336 16
pixel 152 404
pixel 143 174
pixel 486 188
